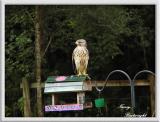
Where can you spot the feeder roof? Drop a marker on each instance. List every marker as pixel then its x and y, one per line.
pixel 72 78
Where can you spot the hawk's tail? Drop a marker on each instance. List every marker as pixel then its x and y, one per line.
pixel 73 65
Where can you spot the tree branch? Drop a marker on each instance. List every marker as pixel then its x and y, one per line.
pixel 47 45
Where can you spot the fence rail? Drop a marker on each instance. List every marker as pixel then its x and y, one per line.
pixel 110 83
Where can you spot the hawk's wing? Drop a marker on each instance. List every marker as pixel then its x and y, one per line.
pixel 73 63
pixel 80 57
pixel 87 56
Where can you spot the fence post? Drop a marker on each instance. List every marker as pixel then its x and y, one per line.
pixel 26 97
pixel 152 94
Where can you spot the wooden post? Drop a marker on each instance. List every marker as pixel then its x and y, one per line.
pixel 26 97
pixel 54 99
pixel 80 98
pixel 151 79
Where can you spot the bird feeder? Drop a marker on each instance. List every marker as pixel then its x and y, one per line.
pixel 60 86
pixel 100 102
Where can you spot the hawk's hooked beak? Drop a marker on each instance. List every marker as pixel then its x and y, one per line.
pixel 76 43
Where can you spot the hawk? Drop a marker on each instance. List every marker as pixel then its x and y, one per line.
pixel 80 57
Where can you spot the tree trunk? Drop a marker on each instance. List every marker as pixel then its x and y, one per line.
pixel 38 40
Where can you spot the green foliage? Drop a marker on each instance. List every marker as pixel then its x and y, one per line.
pixel 20 104
pixel 19 43
pixel 19 51
pixel 8 111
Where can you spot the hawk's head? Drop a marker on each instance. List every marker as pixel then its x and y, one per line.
pixel 81 42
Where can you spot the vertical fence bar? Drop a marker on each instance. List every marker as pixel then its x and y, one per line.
pixel 152 94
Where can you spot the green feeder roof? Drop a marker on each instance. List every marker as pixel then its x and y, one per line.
pixel 72 78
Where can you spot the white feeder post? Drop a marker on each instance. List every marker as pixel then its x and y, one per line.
pixel 80 97
pixel 54 99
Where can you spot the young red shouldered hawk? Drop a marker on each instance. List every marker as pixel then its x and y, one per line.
pixel 80 57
